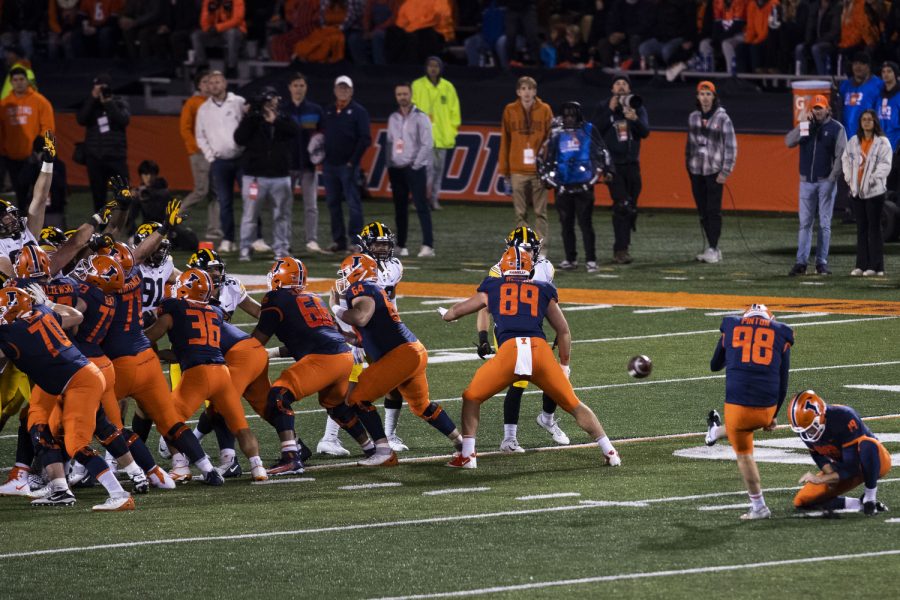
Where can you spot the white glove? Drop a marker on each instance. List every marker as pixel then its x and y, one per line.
pixel 338 310
pixel 37 293
pixel 273 352
pixel 443 311
pixel 566 370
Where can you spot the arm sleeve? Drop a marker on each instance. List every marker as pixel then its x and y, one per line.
pixel 236 20
pixel 792 138
pixel 783 381
pixel 718 359
pixel 269 318
pixel 849 465
pixel 839 147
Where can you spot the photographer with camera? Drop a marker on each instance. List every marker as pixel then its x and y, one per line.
pixel 574 159
pixel 267 136
pixel 104 117
pixel 622 122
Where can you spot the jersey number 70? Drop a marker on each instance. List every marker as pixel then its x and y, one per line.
pixel 755 344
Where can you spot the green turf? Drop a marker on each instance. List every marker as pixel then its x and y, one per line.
pixel 409 557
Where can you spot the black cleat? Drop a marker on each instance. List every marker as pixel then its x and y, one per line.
pixel 870 509
pixel 797 269
pixel 58 498
pixel 822 270
pixel 305 452
pixel 232 470
pixel 213 478
pixel 712 420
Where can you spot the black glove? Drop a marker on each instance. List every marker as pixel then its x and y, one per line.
pixel 121 191
pixel 100 240
pixel 483 345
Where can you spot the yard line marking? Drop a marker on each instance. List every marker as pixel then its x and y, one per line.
pixel 369 486
pixel 675 278
pixel 725 506
pixel 811 283
pixel 550 496
pixel 894 520
pixel 455 491
pixel 283 480
pixel 646 575
pixel 440 300
pixel 606 276
pixel 647 311
pixel 630 503
pixel 803 316
pixel 575 307
pixel 723 313
pixel 878 388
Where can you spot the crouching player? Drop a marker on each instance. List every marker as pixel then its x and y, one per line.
pixel 844 449
pixel 518 306
pixel 755 351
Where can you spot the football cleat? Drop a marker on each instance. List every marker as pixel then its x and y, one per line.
pixel 141 483
pixel 305 452
pixel 332 447
pixel 16 484
pixel 397 444
pixel 163 448
pixel 40 492
pixel 612 458
pixel 753 515
pixel 160 479
pixel 872 508
pixel 213 478
pixel 57 498
pixel 77 473
pixel 258 473
pixel 117 503
pixel 230 470
pixel 511 445
pixel 37 480
pixel 463 462
pixel 379 460
pixel 286 466
pixel 552 427
pixel 181 474
pixel 713 421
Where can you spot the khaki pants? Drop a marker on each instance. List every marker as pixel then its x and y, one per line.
pixel 528 191
pixel 200 172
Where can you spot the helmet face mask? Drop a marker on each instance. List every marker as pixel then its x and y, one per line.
pixel 806 415
pixel 378 241
pixel 525 238
pixel 52 238
pixel 355 268
pixel 194 285
pixel 11 224
pixel 102 271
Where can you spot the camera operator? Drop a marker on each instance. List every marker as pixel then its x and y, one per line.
pixel 622 122
pixel 267 136
pixel 575 158
pixel 104 117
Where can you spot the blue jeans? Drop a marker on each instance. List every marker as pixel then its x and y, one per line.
pixel 224 172
pixel 815 198
pixel 340 185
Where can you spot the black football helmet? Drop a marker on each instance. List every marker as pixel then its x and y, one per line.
pixel 51 238
pixel 209 261
pixel 377 240
pixel 162 253
pixel 11 223
pixel 525 238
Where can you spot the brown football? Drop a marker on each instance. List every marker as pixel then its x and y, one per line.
pixel 640 366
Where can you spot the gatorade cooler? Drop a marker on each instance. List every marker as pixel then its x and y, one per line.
pixel 804 92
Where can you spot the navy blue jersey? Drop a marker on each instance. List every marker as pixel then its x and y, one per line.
pixel 230 335
pixel 518 306
pixel 838 444
pixel 62 290
pixel 98 316
pixel 125 336
pixel 302 322
pixel 38 346
pixel 755 353
pixel 384 331
pixel 195 334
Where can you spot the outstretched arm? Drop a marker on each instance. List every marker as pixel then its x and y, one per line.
pixel 466 307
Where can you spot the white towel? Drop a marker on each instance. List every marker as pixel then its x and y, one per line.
pixel 523 356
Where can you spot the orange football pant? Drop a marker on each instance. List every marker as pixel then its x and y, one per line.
pixel 213 383
pixel 141 377
pixel 78 406
pixel 813 494
pixel 498 373
pixel 741 421
pixel 108 400
pixel 248 364
pixel 403 368
pixel 325 374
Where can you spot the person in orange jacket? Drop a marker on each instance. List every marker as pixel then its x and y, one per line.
pixel 222 23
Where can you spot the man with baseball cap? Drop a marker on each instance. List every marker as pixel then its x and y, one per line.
pixel 821 140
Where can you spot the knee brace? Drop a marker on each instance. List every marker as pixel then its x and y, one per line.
pixel 393 400
pixel 46 447
pixel 278 408
pixel 432 412
pixel 344 416
pixel 85 454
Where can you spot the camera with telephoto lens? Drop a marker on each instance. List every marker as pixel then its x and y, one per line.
pixel 257 104
pixel 632 101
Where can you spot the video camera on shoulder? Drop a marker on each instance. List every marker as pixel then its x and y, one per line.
pixel 259 101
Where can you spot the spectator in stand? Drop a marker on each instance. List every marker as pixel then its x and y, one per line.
pixel 55 215
pixel 105 117
pixel 62 23
pixel 24 115
pixel 20 22
pixel 15 60
pixel 751 53
pixel 199 164
pixel 488 46
pixel 411 151
pixel 301 17
pixel 267 136
pixel 522 19
pixel 889 119
pixel 99 28
pixel 221 24
pixel 867 164
pixel 377 17
pixel 786 30
pixel 436 97
pixel 628 24
pixel 347 136
pixel 523 130
pixel 729 20
pixel 572 51
pixel 308 116
pixel 180 19
pixel 860 92
pixel 673 36
pixel 891 39
pixel 139 23
pixel 823 32
pixel 326 43
pixel 217 118
pixel 419 31
pixel 860 28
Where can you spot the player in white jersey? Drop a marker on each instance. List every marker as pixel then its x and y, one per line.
pixel 377 241
pixel 526 239
pixel 158 272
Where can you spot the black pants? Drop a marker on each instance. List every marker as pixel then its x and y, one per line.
pixel 99 171
pixel 708 198
pixel 14 167
pixel 624 188
pixel 404 48
pixel 407 181
pixel 869 244
pixel 580 205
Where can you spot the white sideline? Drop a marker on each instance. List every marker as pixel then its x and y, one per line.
pixel 284 480
pixel 724 506
pixel 645 575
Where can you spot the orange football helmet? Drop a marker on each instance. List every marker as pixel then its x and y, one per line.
pixel 195 285
pixel 806 414
pixel 122 255
pixel 286 272
pixel 759 310
pixel 516 262
pixel 356 267
pixel 103 271
pixel 14 302
pixel 32 262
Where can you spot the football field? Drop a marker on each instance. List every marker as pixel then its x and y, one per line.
pixel 552 521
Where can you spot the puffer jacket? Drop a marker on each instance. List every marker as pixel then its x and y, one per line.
pixel 878 166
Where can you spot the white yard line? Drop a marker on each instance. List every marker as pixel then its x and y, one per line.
pixel 803 315
pixel 723 313
pixel 725 506
pixel 284 480
pixel 587 307
pixel 455 491
pixel 369 486
pixel 550 496
pixel 647 311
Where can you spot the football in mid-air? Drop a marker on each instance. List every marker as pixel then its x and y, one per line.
pixel 640 366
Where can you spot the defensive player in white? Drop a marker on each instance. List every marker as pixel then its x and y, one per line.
pixel 525 239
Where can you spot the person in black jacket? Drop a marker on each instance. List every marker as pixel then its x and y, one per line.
pixel 105 118
pixel 622 122
pixel 267 136
pixel 823 32
pixel 153 196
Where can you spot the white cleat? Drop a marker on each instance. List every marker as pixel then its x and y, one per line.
pixel 713 422
pixel 117 503
pixel 38 493
pixel 397 444
pixel 762 513
pixel 510 445
pixel 181 474
pixel 58 498
pixel 260 246
pixel 379 460
pixel 16 484
pixel 160 479
pixel 163 448
pixel 332 447
pixel 552 427
pixel 259 473
pixel 612 458
pixel 140 483
pixel 77 473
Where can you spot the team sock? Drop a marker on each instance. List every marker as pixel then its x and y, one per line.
pixel 139 451
pixel 757 502
pixel 204 464
pixel 605 445
pixel 331 428
pixel 255 461
pixel 108 480
pixel 141 426
pixel 869 495
pixel 390 419
pixel 852 503
pixel 134 469
pixel 512 404
pixel 468 446
pixel 59 485
pixel 289 446
pixel 549 406
pixel 510 431
pixel 24 447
